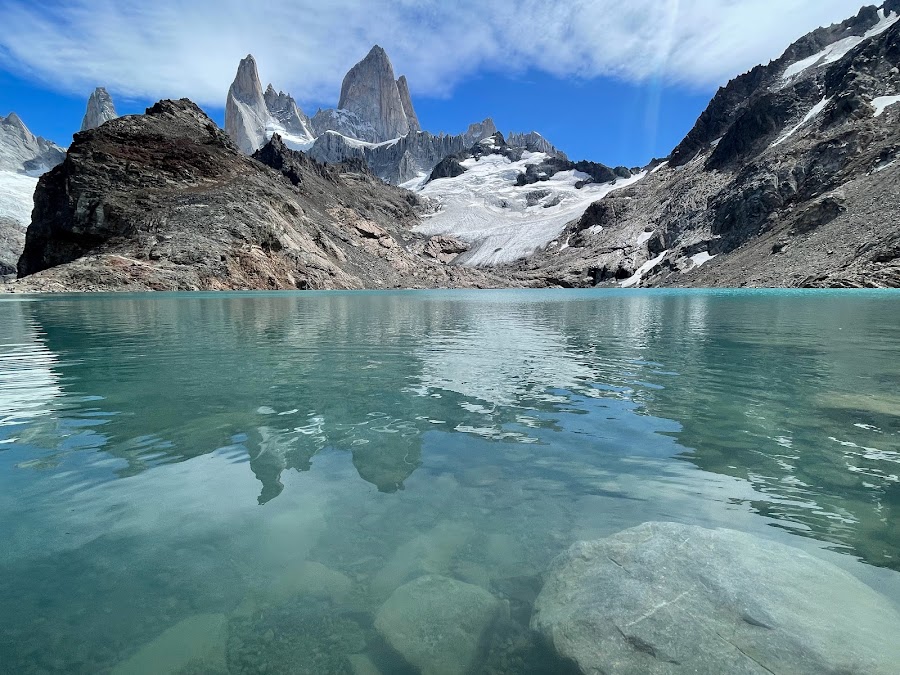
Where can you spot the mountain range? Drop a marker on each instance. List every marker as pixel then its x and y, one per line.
pixel 788 178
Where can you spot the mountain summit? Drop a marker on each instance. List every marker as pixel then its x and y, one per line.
pixel 245 108
pixel 100 109
pixel 371 92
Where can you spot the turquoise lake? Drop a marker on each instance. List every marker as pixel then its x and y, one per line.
pixel 261 471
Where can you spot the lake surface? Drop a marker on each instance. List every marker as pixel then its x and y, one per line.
pixel 261 471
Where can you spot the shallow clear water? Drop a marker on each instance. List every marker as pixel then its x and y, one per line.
pixel 280 463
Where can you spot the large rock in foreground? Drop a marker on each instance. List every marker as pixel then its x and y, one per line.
pixel 438 624
pixel 670 598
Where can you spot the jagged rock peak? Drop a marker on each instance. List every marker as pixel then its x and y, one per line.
pixel 406 100
pixel 370 91
pixel 246 115
pixel 100 109
pixel 246 86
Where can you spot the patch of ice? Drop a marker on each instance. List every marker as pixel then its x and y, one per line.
pixel 594 229
pixel 837 50
pixel 885 166
pixel 565 244
pixel 661 165
pixel 635 279
pixel 644 236
pixel 882 102
pixel 816 109
pixel 699 258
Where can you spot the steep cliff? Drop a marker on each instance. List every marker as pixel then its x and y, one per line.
pixel 789 178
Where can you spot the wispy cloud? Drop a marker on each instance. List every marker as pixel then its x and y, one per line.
pixel 170 48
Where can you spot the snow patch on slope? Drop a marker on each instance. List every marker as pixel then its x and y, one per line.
pixel 882 102
pixel 699 258
pixel 635 279
pixel 837 50
pixel 816 109
pixel 486 208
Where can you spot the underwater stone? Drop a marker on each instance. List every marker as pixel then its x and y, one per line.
pixel 198 642
pixel 440 624
pixel 668 598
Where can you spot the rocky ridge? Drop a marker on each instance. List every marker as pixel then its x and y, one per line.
pixel 166 200
pixel 375 121
pixel 100 109
pixel 787 179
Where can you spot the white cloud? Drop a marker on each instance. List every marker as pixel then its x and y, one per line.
pixel 169 48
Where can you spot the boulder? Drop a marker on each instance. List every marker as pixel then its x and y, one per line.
pixel 440 625
pixel 670 598
pixel 197 643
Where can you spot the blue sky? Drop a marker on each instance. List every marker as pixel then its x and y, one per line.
pixel 616 82
pixel 603 119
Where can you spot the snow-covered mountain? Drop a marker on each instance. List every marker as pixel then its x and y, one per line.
pixel 375 121
pixel 23 157
pixel 251 117
pixel 100 109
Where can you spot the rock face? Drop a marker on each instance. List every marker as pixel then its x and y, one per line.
pixel 411 156
pixel 100 109
pixel 670 598
pixel 370 91
pixel 439 625
pixel 23 157
pixel 789 178
pixel 166 200
pixel 283 109
pixel 23 152
pixel 246 115
pixel 406 100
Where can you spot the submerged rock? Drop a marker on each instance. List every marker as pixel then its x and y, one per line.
pixel 438 624
pixel 197 643
pixel 671 598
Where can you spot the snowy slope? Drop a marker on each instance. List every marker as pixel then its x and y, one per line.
pixel 486 208
pixel 17 196
pixel 837 50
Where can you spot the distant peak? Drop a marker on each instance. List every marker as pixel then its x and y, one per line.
pixel 100 109
pixel 13 118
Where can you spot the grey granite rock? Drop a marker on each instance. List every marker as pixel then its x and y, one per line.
pixel 345 123
pixel 100 109
pixel 21 151
pixel 440 625
pixel 666 598
pixel 284 110
pixel 370 91
pixel 246 115
pixel 413 155
pixel 406 100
